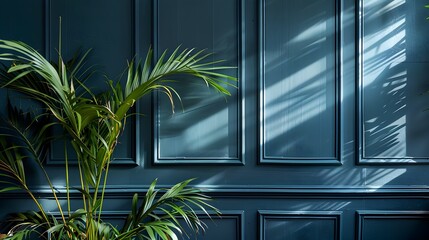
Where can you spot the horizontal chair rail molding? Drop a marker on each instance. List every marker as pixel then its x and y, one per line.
pixel 261 192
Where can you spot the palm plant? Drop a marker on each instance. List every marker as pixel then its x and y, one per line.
pixel 93 123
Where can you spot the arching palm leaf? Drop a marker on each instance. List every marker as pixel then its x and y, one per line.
pixel 94 123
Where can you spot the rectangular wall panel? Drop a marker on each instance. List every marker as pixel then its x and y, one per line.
pixel 26 24
pixel 399 225
pixel 301 225
pixel 299 82
pixel 112 38
pixel 228 226
pixel 393 61
pixel 207 127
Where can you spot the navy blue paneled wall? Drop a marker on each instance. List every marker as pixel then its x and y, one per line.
pixel 207 130
pixel 325 137
pixel 299 81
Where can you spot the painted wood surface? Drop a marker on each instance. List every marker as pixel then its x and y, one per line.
pixel 325 138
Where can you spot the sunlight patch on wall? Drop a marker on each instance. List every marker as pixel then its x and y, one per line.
pixel 318 29
pixel 382 177
pixel 310 105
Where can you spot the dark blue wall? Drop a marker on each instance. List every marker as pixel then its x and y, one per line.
pixel 325 138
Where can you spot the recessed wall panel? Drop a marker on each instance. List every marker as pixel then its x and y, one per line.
pixel 24 20
pixel 374 225
pixel 206 127
pixel 228 226
pixel 299 82
pixel 277 225
pixel 393 62
pixel 111 36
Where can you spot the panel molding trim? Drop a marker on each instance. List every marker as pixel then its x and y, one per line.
pixel 265 215
pixel 281 160
pixel 237 215
pixel 135 46
pixel 361 157
pixel 363 215
pixel 218 160
pixel 127 191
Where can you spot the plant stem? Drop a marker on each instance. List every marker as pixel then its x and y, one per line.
pixel 39 206
pixel 67 179
pixel 82 183
pixel 104 188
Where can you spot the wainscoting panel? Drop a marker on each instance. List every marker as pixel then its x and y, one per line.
pixel 299 82
pixel 112 38
pixel 397 225
pixel 299 225
pixel 229 226
pixel 206 129
pixel 31 14
pixel 391 103
pixel 331 97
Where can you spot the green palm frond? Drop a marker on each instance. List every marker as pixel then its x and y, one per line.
pixel 93 123
pixel 23 137
pixel 27 224
pixel 142 79
pixel 158 215
pixel 12 171
pixel 27 61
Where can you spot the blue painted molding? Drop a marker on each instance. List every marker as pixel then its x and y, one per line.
pixel 362 215
pixel 246 192
pixel 263 215
pixel 361 159
pixel 107 214
pixel 136 29
pixel 135 132
pixel 263 158
pixel 157 159
pixel 47 13
pixel 237 215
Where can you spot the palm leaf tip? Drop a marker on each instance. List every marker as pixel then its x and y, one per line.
pixel 185 63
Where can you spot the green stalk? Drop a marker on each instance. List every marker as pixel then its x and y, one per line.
pixel 112 148
pixel 67 179
pixel 104 189
pixel 81 178
pixel 82 184
pixel 84 187
pixel 106 158
pixel 39 206
pixel 100 175
pixel 88 212
pixel 53 193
